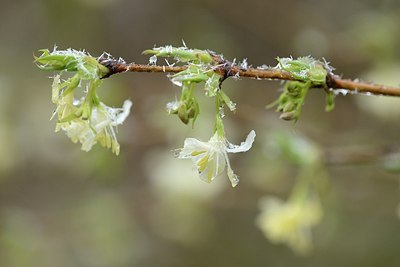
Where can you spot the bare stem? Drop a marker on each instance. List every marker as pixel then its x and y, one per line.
pixel 228 69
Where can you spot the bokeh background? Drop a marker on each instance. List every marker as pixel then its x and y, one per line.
pixel 60 206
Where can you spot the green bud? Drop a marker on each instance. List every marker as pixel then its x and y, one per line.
pixel 291 100
pixel 193 74
pixel 183 54
pixel 283 98
pixel 294 88
pixel 289 116
pixel 191 113
pixel 183 114
pixel 317 74
pixel 290 106
pixel 59 61
pixel 87 66
pixel 304 69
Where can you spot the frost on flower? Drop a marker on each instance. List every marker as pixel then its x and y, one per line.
pixel 211 158
pixel 99 128
pixel 289 222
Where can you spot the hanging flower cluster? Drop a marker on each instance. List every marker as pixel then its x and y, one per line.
pixel 90 121
pixel 87 120
pixel 309 73
pixel 290 222
pixel 210 158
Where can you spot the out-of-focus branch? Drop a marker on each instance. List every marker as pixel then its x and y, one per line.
pixel 358 155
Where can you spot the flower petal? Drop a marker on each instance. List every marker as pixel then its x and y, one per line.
pixel 192 147
pixel 233 178
pixel 209 164
pixel 126 108
pixel 244 146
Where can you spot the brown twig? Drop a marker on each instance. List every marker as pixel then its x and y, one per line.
pixel 228 69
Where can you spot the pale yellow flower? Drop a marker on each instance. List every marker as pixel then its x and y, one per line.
pixel 289 222
pixel 210 158
pixel 99 128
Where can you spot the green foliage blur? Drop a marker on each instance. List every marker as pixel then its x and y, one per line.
pixel 60 206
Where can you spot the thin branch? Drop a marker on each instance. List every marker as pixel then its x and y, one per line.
pixel 358 155
pixel 228 69
pixel 361 87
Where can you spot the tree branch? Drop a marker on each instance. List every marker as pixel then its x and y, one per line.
pixel 228 69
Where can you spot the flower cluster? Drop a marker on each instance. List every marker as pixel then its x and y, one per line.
pixel 309 73
pixel 87 120
pixel 210 158
pixel 292 99
pixel 289 222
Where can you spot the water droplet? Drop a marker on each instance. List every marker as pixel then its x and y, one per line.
pixel 222 112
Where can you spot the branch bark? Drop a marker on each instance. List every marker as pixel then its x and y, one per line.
pixel 229 70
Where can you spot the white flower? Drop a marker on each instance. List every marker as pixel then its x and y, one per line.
pixel 211 157
pixel 100 127
pixel 289 222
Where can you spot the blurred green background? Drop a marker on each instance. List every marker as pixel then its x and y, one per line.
pixel 60 206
